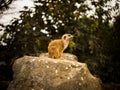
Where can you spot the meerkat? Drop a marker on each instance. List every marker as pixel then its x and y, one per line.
pixel 57 46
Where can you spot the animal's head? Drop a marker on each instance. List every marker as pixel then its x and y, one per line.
pixel 67 37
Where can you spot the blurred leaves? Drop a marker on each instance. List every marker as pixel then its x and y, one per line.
pixel 5 4
pixel 71 46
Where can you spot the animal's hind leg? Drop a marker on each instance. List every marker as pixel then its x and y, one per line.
pixel 57 54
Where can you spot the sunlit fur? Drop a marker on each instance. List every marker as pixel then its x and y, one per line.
pixel 56 47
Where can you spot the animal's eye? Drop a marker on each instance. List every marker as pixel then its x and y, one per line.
pixel 69 35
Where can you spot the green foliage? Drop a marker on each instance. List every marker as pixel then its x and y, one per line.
pixel 23 38
pixel 71 46
pixel 91 47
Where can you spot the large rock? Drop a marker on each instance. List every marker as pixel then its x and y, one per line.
pixel 43 73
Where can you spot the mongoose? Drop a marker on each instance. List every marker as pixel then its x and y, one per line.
pixel 57 46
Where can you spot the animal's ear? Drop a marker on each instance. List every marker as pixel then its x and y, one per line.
pixel 64 37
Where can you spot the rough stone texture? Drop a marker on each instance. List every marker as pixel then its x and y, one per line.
pixel 43 73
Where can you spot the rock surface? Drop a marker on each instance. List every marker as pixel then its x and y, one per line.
pixel 43 73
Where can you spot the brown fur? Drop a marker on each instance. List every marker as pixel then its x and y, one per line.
pixel 56 47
